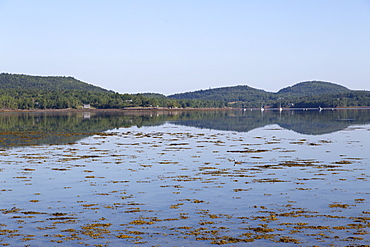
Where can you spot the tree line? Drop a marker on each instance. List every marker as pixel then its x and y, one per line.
pixel 63 99
pixel 60 92
pixel 15 81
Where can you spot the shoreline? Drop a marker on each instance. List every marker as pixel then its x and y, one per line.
pixel 176 109
pixel 116 110
pixel 135 110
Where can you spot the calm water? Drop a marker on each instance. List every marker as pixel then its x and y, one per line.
pixel 234 178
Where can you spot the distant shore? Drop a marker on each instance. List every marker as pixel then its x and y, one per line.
pixel 178 109
pixel 116 110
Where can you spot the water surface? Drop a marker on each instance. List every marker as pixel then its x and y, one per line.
pixel 232 178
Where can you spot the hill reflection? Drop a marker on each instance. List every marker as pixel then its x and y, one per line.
pixel 303 122
pixel 24 129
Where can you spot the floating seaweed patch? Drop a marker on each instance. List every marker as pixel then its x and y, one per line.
pixel 249 151
pixel 338 205
pixel 269 180
pixel 342 162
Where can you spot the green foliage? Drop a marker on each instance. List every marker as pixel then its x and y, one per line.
pixel 37 92
pixel 349 99
pixel 63 99
pixel 305 94
pixel 11 81
pixel 312 88
pixel 237 96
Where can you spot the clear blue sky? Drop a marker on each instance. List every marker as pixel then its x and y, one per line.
pixel 170 46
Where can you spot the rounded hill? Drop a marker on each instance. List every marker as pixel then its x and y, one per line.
pixel 228 94
pixel 50 83
pixel 313 88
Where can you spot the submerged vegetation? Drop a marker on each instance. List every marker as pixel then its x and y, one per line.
pixel 36 92
pixel 173 185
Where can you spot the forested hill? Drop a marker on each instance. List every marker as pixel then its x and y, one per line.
pixel 246 93
pixel 53 92
pixel 229 94
pixel 313 88
pixel 52 83
pixel 303 94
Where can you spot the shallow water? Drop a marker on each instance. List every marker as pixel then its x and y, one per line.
pixel 182 179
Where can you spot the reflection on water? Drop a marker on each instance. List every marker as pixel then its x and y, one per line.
pixel 153 179
pixel 304 122
pixel 23 129
pixel 19 129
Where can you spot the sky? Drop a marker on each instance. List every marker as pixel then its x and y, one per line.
pixel 173 46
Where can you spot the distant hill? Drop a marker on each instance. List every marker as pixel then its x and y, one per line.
pixel 308 88
pixel 228 94
pixel 60 92
pixel 249 94
pixel 303 94
pixel 52 83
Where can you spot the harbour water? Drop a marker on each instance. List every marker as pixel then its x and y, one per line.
pixel 192 178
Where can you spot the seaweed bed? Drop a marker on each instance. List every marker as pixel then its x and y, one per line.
pixel 173 185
